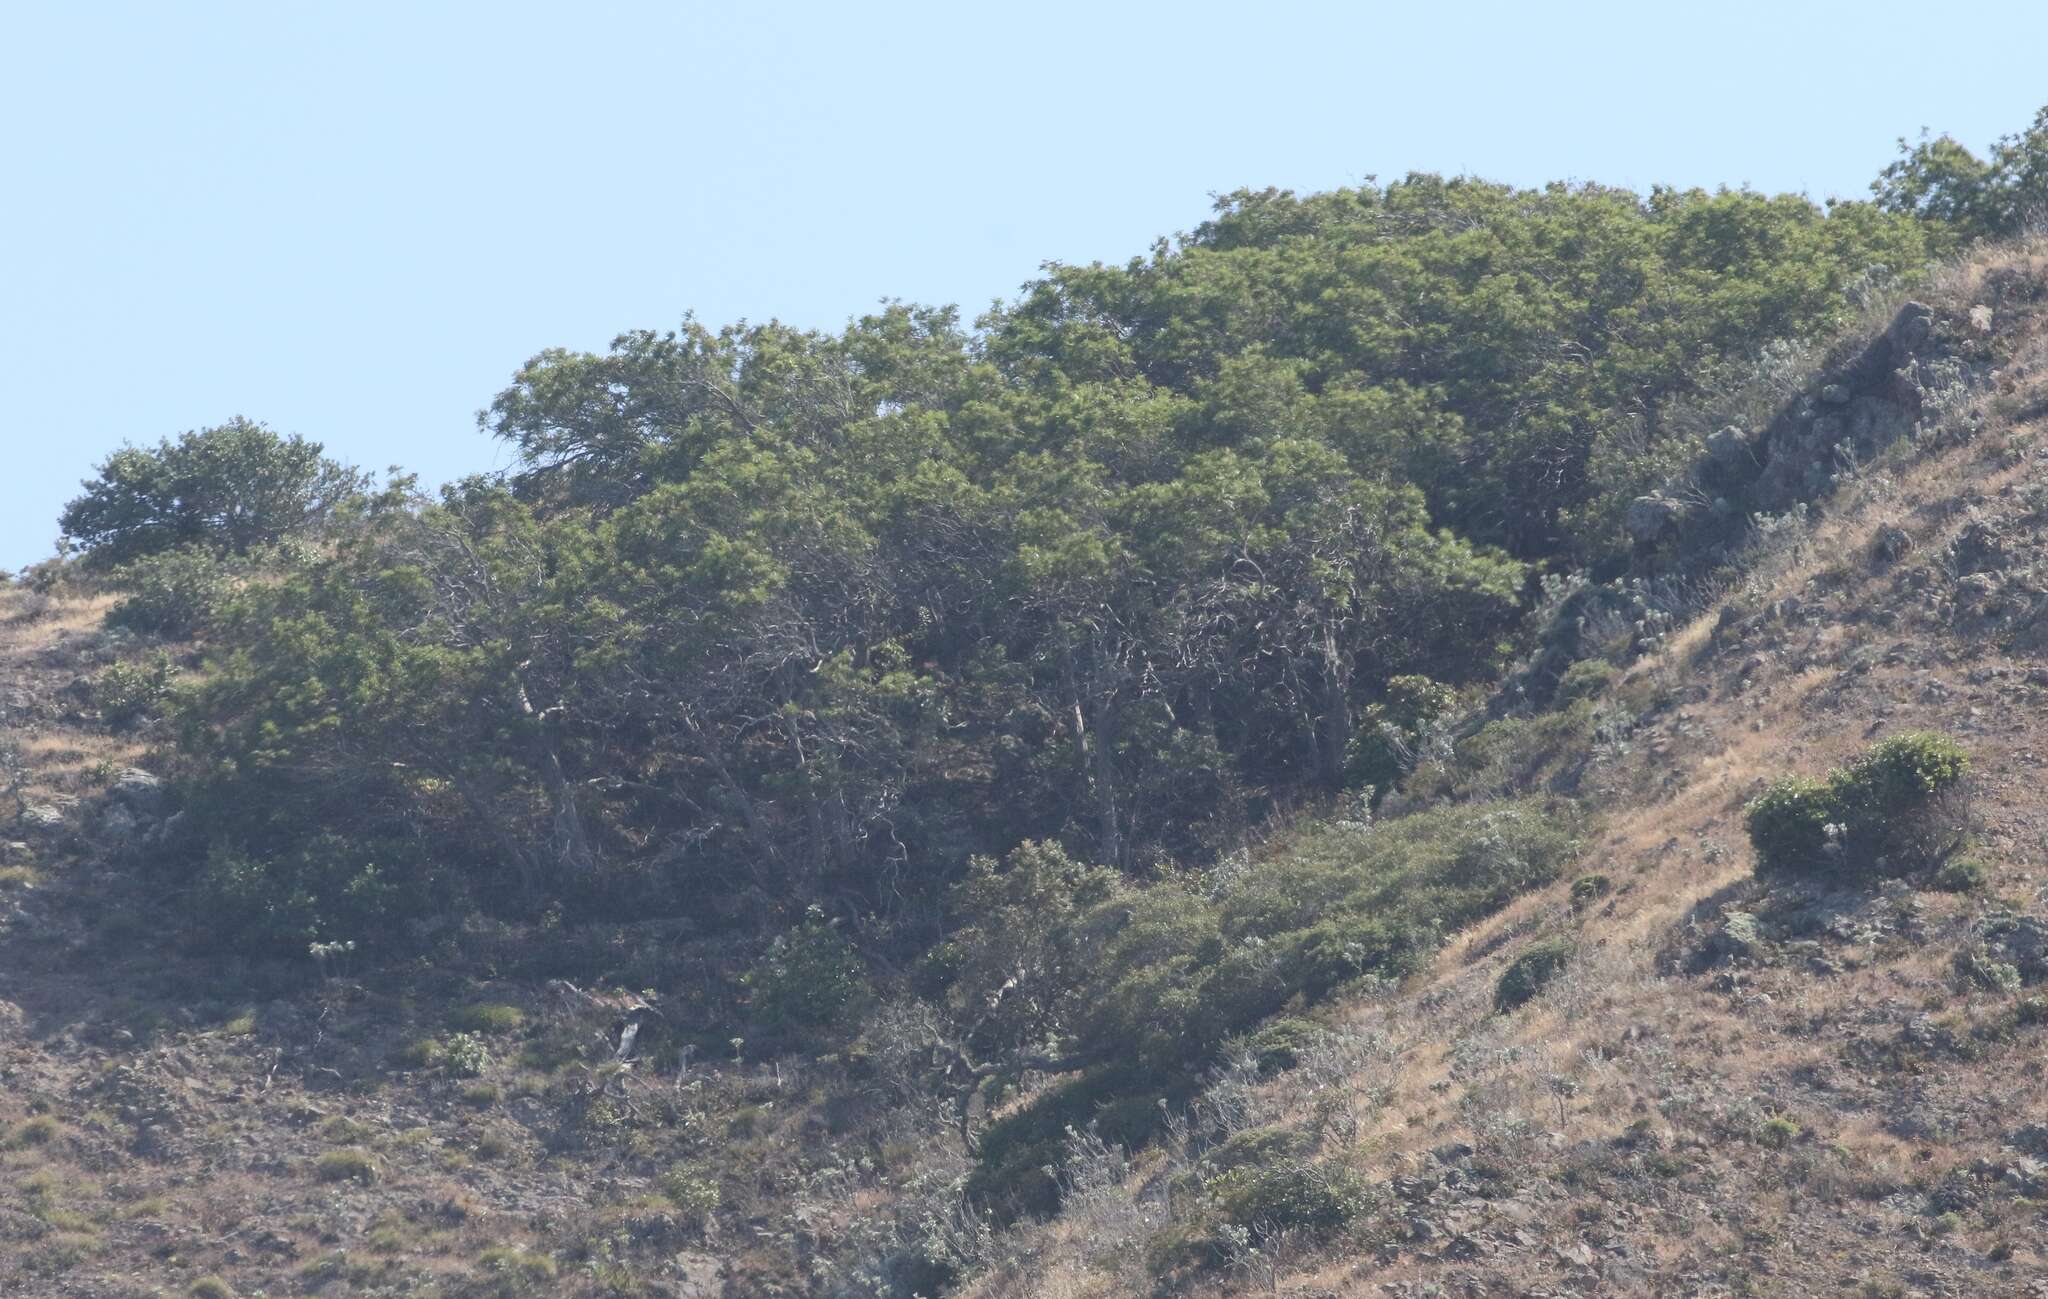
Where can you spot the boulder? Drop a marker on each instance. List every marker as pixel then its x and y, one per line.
pixel 1911 327
pixel 42 819
pixel 139 791
pixel 1649 519
pixel 1730 449
pixel 118 825
pixel 1738 938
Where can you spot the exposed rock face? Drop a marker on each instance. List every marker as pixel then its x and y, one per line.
pixel 1843 420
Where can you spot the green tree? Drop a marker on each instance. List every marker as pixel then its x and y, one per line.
pixel 1944 183
pixel 232 487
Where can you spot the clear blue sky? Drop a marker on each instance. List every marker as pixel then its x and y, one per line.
pixel 354 221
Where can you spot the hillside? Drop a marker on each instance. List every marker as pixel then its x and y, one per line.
pixel 1206 1010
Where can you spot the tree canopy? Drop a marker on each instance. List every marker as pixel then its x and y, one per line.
pixel 770 618
pixel 231 488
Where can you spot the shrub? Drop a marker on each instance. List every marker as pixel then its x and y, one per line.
pixel 808 978
pixel 210 1287
pixel 1587 889
pixel 694 1192
pixel 1975 965
pixel 1962 875
pixel 1290 1195
pixel 1788 823
pixel 172 593
pixel 1777 1132
pixel 512 1272
pixel 350 1164
pixel 1386 740
pixel 341 1130
pixel 328 888
pixel 1585 679
pixel 1257 1147
pixel 127 692
pixel 1897 808
pixel 465 1055
pixel 1278 1046
pixel 487 1019
pixel 1525 977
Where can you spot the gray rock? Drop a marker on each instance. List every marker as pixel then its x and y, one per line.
pixel 1738 938
pixel 1912 327
pixel 1982 549
pixel 42 819
pixel 118 824
pixel 1649 519
pixel 1730 448
pixel 139 791
pixel 1835 394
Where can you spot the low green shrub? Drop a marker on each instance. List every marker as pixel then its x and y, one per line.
pixel 172 593
pixel 487 1019
pixel 513 1272
pixel 1278 1046
pixel 1588 889
pixel 349 1164
pixel 39 1130
pixel 694 1192
pixel 324 889
pixel 809 978
pixel 1898 808
pixel 1584 680
pixel 465 1055
pixel 1391 728
pixel 1788 823
pixel 127 692
pixel 1292 1194
pixel 1529 972
pixel 1962 875
pixel 1257 1147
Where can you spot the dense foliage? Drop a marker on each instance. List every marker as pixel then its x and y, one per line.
pixel 230 488
pixel 952 669
pixel 1968 197
pixel 1897 808
pixel 770 618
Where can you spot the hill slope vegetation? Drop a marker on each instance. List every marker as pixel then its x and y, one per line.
pixel 1300 761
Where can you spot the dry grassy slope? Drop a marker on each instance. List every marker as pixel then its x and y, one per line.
pixel 165 1121
pixel 172 1125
